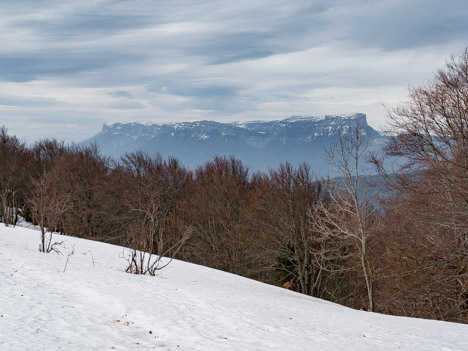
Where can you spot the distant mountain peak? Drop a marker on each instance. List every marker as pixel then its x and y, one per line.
pixel 259 144
pixel 295 118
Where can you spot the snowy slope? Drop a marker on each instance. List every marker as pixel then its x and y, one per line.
pixel 185 307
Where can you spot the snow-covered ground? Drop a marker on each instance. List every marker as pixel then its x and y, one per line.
pixel 185 307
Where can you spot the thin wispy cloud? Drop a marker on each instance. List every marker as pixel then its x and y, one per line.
pixel 68 67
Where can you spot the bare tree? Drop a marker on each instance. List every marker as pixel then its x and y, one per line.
pixel 48 207
pixel 348 215
pixel 430 134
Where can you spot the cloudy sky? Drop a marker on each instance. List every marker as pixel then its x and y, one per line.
pixel 66 67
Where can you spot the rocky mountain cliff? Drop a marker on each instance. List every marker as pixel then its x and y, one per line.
pixel 259 144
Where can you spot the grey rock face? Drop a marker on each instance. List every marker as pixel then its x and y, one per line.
pixel 259 144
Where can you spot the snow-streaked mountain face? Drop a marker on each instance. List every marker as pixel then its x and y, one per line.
pixel 84 300
pixel 259 144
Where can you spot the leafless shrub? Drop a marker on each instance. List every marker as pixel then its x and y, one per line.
pixel 143 262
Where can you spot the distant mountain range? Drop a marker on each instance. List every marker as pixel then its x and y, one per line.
pixel 259 144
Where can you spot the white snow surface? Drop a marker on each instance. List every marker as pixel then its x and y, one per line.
pixel 184 307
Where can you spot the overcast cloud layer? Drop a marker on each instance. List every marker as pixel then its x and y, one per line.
pixel 66 67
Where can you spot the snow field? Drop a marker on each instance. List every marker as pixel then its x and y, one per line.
pixel 97 306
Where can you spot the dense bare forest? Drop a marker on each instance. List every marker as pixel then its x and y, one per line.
pixel 403 254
